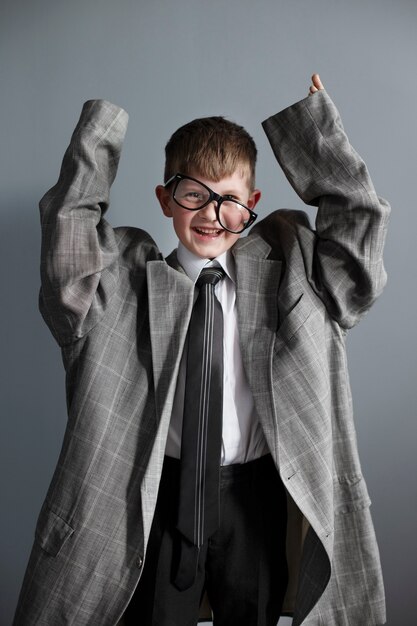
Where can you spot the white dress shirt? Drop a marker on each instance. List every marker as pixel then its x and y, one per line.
pixel 242 438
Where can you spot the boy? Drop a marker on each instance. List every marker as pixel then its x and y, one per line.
pixel 290 480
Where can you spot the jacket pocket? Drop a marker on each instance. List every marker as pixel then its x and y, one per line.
pixel 350 494
pixel 52 531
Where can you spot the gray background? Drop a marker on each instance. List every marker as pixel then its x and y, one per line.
pixel 167 62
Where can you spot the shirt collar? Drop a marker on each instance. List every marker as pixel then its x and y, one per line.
pixel 193 264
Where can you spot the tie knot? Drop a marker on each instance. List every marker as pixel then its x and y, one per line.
pixel 210 275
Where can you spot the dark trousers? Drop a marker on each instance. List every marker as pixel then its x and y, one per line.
pixel 242 567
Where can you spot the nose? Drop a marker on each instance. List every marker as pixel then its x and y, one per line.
pixel 209 212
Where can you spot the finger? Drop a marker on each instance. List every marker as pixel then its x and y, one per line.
pixel 312 90
pixel 315 79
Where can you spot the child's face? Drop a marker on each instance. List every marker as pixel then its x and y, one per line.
pixel 199 231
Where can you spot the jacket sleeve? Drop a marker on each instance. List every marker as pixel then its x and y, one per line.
pixel 79 257
pixel 343 256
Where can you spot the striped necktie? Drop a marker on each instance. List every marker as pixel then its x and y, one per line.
pixel 198 514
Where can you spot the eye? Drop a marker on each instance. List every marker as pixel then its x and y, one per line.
pixel 232 198
pixel 191 193
pixel 194 195
pixel 234 203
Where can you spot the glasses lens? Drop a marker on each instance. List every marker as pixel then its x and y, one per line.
pixel 233 216
pixel 191 194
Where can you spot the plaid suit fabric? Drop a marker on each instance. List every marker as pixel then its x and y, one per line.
pixel 120 314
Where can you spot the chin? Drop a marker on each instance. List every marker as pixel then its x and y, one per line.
pixel 209 252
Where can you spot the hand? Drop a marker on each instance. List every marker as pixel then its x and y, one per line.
pixel 316 86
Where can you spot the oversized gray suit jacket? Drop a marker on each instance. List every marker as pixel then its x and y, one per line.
pixel 120 313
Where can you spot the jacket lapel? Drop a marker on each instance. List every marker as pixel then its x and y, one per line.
pixel 171 295
pixel 257 287
pixel 170 302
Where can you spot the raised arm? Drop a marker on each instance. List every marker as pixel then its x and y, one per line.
pixel 79 261
pixel 343 256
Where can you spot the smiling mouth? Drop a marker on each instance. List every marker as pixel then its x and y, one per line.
pixel 208 232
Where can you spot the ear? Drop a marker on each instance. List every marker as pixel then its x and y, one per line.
pixel 164 198
pixel 254 198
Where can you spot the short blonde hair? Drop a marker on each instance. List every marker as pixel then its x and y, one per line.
pixel 212 147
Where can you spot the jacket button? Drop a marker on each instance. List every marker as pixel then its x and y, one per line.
pixel 139 561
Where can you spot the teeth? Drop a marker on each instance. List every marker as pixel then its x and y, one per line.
pixel 208 231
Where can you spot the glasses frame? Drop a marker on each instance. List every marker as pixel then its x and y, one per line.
pixel 177 178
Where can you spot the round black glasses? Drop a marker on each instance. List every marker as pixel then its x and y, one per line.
pixel 189 193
